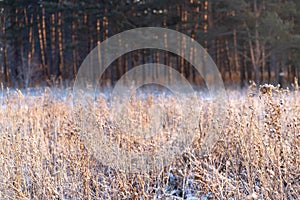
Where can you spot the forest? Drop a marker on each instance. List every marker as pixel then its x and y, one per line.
pixel 71 128
pixel 43 43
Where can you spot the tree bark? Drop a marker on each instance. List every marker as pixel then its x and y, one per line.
pixel 60 47
pixel 41 42
pixel 4 46
pixel 74 42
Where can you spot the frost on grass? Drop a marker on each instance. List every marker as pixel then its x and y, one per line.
pixel 256 156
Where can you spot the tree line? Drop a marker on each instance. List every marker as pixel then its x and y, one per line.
pixel 44 42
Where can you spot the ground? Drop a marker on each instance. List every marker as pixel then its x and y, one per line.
pixel 256 154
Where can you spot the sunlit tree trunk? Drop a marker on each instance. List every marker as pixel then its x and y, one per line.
pixel 120 63
pixel 53 43
pixel 255 51
pixel 44 33
pixel 105 25
pixel 206 13
pixel 194 31
pixel 85 35
pixel 28 72
pixel 177 27
pixel 60 47
pixel 263 63
pixel 229 59
pixel 183 17
pixel 74 42
pixel 218 59
pixel 166 54
pixel 235 52
pixel 41 42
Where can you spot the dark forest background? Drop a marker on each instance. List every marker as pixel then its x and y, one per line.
pixel 44 42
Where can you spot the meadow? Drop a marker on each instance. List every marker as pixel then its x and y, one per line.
pixel 255 156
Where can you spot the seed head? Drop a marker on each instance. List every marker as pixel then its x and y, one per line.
pixel 266 89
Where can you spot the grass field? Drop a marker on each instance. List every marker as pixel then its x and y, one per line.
pixel 256 156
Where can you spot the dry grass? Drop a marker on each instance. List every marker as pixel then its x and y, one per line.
pixel 257 155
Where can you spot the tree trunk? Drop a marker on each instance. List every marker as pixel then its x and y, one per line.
pixel 44 33
pixel 228 55
pixel 235 51
pixel 4 46
pixel 74 45
pixel 243 67
pixel 274 67
pixel 53 43
pixel 60 47
pixel 42 48
pixel 263 63
pixel 254 46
